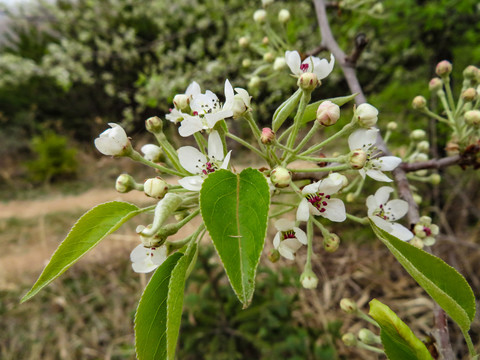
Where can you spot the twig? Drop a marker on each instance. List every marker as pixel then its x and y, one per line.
pixel 431 164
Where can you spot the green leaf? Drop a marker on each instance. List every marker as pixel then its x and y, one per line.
pixel 285 109
pixel 311 110
pixel 399 341
pixel 441 281
pixel 88 231
pixel 235 211
pixel 151 315
pixel 176 289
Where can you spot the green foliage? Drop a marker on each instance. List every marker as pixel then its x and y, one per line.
pixel 235 211
pixel 54 159
pixel 441 281
pixel 214 326
pixel 399 341
pixel 89 230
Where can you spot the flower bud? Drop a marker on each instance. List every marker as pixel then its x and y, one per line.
pixel 113 141
pixel 279 63
pixel 181 101
pixel 435 179
pixel 358 158
pixel 260 16
pixel 350 197
pixel 243 42
pixel 280 177
pixel 349 339
pixel 268 136
pixel 154 124
pixel 331 243
pixel 151 152
pixel 155 187
pixel 471 72
pixel 266 3
pixel 241 103
pixel 308 81
pixel 417 198
pixel 273 255
pixel 124 183
pixel 265 40
pixel 328 113
pixel 368 337
pixel 472 117
pixel 392 126
pixel 469 94
pixel 254 82
pixel 419 102
pixel 423 146
pixel 348 305
pixel 268 57
pixel 337 177
pixel 367 115
pixel 283 16
pixel 435 84
pixel 308 279
pixel 246 63
pixel 418 134
pixel 444 68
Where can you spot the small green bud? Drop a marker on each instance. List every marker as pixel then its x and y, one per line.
pixel 471 72
pixel 181 101
pixel 469 94
pixel 349 339
pixel 435 84
pixel 419 102
pixel 243 42
pixel 154 124
pixel 367 115
pixel 283 16
pixel 254 82
pixel 266 3
pixel 125 183
pixel 417 198
pixel 308 279
pixel 268 57
pixel 348 305
pixel 392 126
pixel 273 255
pixel 358 158
pixel 280 177
pixel 418 134
pixel 368 337
pixel 423 146
pixel 279 63
pixel 265 40
pixel 260 16
pixel 435 179
pixel 472 117
pixel 331 243
pixel 308 81
pixel 155 187
pixel 350 197
pixel 443 68
pixel 246 63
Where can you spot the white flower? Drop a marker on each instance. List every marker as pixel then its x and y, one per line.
pixel 383 213
pixel 182 101
pixel 289 238
pixel 317 200
pixel 207 111
pixel 363 139
pixel 175 116
pixel 113 141
pixel 241 103
pixel 320 67
pixel 146 259
pixel 151 152
pixel 195 162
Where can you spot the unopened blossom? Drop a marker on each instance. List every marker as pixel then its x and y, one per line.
pixel 364 140
pixel 146 259
pixel 384 213
pixel 113 141
pixel 197 163
pixel 366 114
pixel 318 201
pixel 320 67
pixel 207 111
pixel 182 101
pixel 289 238
pixel 241 103
pixel 328 113
pixel 151 152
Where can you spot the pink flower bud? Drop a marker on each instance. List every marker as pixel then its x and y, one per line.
pixel 328 113
pixel 267 136
pixel 444 68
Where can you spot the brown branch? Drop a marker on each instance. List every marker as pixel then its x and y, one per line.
pixel 316 50
pixel 432 164
pixel 361 42
pixel 399 173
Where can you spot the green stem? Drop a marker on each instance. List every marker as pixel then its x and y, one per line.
pixel 281 212
pixel 168 149
pixel 247 145
pixel 346 129
pixel 365 317
pixel 448 88
pixel 468 339
pixel 323 229
pixel 201 142
pixel 308 263
pixel 430 113
pixel 135 156
pixel 304 100
pixel 305 139
pixel 285 133
pixel 363 221
pixel 324 169
pixel 370 348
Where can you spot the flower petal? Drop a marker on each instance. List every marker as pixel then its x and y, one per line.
pixel 229 95
pixel 381 223
pixel 396 209
pixel 284 224
pixel 401 232
pixel 362 139
pixel 335 210
pixel 139 253
pixel 190 125
pixel 322 67
pixel 193 89
pixel 310 188
pixel 382 195
pixel 213 118
pixel 226 160
pixel 215 146
pixel 330 185
pixel 158 255
pixel 144 266
pixel 303 211
pixel 378 175
pixel 276 240
pixel 292 58
pixel 300 235
pixel 192 183
pixel 387 163
pixel 191 159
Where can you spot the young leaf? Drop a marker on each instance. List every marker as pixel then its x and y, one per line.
pixel 311 110
pixel 399 341
pixel 176 289
pixel 88 231
pixel 151 315
pixel 235 211
pixel 441 281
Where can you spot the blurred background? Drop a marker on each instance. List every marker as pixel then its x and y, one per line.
pixel 67 68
